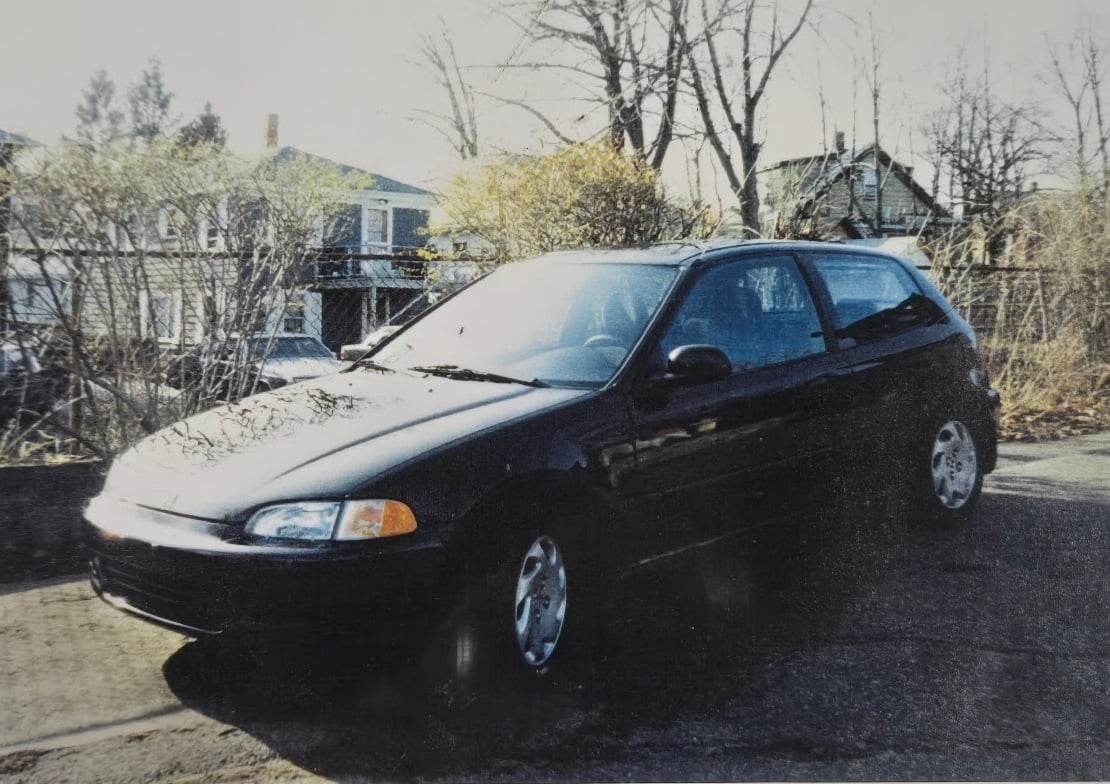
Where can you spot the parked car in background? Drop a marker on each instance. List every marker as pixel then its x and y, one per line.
pixel 542 432
pixel 258 363
pixel 286 358
pixel 27 387
pixel 352 352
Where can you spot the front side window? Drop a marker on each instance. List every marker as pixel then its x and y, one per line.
pixel 564 324
pixel 759 312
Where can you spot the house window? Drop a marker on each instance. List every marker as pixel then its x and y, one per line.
pixel 167 226
pixel 377 228
pixel 870 183
pixel 293 322
pixel 161 314
pixel 292 319
pixel 34 221
pixel 409 229
pixel 130 231
pixel 343 229
pixel 35 303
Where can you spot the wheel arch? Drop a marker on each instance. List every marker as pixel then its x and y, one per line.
pixel 516 506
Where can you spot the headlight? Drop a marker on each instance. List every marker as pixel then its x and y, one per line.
pixel 307 520
pixel 347 521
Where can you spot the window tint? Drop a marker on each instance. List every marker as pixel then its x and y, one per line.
pixel 872 297
pixel 758 312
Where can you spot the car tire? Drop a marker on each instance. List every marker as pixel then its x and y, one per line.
pixel 952 477
pixel 530 620
pixel 537 582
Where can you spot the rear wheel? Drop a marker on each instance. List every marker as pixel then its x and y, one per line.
pixel 955 476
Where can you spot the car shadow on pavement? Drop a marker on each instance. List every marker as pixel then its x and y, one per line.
pixel 970 652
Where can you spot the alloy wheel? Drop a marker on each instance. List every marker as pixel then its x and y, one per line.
pixel 955 465
pixel 541 601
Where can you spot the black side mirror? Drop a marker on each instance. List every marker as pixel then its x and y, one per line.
pixel 697 364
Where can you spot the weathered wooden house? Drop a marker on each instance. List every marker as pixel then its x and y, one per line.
pixel 848 195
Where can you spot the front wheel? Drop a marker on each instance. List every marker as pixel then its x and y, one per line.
pixel 530 616
pixel 540 605
pixel 955 472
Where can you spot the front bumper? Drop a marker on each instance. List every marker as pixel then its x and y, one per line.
pixel 194 577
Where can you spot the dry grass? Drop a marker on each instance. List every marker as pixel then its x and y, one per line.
pixel 1045 315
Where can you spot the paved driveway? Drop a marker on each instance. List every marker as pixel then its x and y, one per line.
pixel 982 652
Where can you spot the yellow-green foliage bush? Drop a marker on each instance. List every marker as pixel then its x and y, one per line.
pixel 585 195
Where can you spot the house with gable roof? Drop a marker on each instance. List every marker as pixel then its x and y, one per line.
pixel 838 195
pixel 367 272
pixel 364 269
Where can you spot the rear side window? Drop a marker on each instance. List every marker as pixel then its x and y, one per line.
pixel 872 298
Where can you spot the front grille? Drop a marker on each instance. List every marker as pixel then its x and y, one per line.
pixel 169 591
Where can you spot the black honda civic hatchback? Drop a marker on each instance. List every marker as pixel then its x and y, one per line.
pixel 554 424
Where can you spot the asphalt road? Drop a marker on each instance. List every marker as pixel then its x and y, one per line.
pixel 980 653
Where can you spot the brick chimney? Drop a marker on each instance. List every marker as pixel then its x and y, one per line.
pixel 271 131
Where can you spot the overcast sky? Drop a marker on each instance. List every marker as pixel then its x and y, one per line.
pixel 344 75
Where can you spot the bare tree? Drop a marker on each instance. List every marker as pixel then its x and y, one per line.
pixel 984 145
pixel 1074 92
pixel 726 55
pixel 1092 58
pixel 631 62
pixel 461 125
pixel 874 85
pixel 1077 75
pixel 127 258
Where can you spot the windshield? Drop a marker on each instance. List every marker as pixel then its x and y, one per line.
pixel 287 348
pixel 558 323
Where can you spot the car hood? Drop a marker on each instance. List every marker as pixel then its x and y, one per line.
pixel 295 368
pixel 323 438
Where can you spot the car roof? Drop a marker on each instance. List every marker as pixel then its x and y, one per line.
pixel 686 253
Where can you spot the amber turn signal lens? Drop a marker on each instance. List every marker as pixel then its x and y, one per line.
pixel 374 519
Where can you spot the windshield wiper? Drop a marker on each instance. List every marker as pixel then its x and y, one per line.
pixel 465 374
pixel 370 364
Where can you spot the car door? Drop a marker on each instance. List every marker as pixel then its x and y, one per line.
pixel 717 457
pixel 886 334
